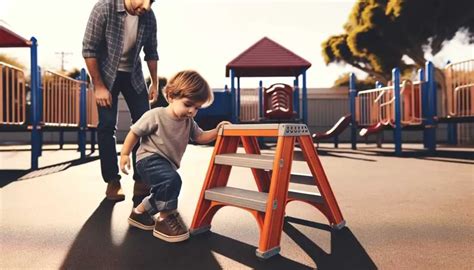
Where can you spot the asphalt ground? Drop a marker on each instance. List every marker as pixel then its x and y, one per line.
pixel 409 212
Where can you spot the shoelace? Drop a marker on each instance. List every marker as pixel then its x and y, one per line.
pixel 174 223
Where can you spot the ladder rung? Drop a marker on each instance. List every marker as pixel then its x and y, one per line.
pixel 245 160
pixel 302 178
pixel 238 197
pixel 305 196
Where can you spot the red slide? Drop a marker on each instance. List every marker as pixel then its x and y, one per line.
pixel 335 130
pixel 372 129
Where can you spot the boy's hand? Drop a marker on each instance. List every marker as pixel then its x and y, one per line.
pixel 124 163
pixel 222 124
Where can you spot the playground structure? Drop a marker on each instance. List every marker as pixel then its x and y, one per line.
pixel 274 104
pixel 413 105
pixel 57 103
pixel 272 176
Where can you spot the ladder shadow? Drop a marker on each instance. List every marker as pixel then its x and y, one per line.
pixel 346 250
pixel 93 248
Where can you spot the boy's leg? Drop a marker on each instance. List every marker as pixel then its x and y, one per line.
pixel 137 104
pixel 165 188
pixel 107 147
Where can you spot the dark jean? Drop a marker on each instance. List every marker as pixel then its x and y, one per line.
pixel 165 183
pixel 138 104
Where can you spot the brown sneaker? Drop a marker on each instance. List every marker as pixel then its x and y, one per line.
pixel 114 191
pixel 171 229
pixel 141 189
pixel 142 221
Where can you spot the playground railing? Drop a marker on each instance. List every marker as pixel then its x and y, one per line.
pixel 12 95
pixel 61 97
pixel 378 105
pixel 92 114
pixel 368 105
pixel 458 93
pixel 464 100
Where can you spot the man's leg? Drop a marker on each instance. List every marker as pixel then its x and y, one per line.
pixel 107 146
pixel 137 104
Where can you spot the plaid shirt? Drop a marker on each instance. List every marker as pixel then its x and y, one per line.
pixel 103 40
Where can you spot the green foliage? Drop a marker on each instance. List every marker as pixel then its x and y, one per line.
pixel 379 33
pixel 11 61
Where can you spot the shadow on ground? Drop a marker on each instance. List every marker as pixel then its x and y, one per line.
pixel 9 176
pixel 93 249
pixel 346 251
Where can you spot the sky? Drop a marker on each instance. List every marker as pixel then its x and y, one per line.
pixel 202 35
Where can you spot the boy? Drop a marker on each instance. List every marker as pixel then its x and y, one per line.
pixel 164 134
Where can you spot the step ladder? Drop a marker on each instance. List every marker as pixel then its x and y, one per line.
pixel 272 176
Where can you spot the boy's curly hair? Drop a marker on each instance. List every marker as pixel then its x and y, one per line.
pixel 189 84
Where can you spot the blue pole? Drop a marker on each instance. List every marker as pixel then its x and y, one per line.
pixel 238 97
pixel 430 121
pixel 35 132
pixel 452 133
pixel 305 100
pixel 424 104
pixel 40 111
pixel 82 115
pixel 397 132
pixel 296 97
pixel 260 99
pixel 452 128
pixel 234 98
pixel 352 97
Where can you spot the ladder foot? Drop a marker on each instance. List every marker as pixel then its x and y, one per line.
pixel 200 230
pixel 267 254
pixel 339 226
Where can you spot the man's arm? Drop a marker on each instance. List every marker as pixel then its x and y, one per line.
pixel 90 51
pixel 153 92
pixel 102 94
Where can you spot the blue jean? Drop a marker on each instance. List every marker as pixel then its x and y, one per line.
pixel 165 183
pixel 138 104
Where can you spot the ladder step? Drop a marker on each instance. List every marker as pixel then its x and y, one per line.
pixel 302 178
pixel 305 196
pixel 245 160
pixel 238 197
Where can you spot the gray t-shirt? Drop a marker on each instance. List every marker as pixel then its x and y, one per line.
pixel 164 135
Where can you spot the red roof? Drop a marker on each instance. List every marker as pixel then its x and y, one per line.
pixel 267 58
pixel 11 39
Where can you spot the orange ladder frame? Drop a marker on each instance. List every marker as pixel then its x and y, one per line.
pixel 272 176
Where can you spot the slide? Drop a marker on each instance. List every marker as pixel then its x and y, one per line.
pixel 372 129
pixel 337 129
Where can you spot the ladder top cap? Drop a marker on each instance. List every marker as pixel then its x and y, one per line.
pixel 289 129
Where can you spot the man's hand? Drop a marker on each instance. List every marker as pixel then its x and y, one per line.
pixel 152 93
pixel 103 98
pixel 124 163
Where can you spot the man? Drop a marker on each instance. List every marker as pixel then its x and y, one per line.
pixel 116 32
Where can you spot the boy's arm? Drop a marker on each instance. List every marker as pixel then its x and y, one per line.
pixel 128 144
pixel 210 135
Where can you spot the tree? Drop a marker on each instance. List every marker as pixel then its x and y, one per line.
pixel 11 61
pixel 379 33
